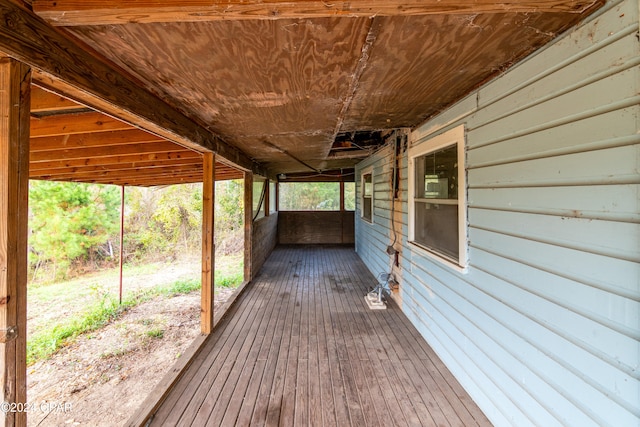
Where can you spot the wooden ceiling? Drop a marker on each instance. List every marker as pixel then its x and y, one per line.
pixel 70 142
pixel 298 85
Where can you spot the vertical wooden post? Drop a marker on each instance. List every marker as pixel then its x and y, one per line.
pixel 267 197
pixel 341 195
pixel 248 225
pixel 208 247
pixel 121 243
pixel 15 87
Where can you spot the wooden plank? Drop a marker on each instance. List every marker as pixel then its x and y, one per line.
pixel 209 361
pixel 68 124
pixel 68 70
pixel 112 160
pixel 132 173
pixel 45 101
pixel 15 80
pixel 95 12
pixel 254 372
pixel 151 182
pixel 313 227
pixel 208 246
pixel 193 353
pixel 116 150
pixel 67 140
pixel 71 171
pixel 267 332
pixel 242 401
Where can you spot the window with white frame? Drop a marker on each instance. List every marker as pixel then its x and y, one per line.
pixel 437 197
pixel 367 195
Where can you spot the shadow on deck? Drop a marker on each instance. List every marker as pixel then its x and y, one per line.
pixel 300 347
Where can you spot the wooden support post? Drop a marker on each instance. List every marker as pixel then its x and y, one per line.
pixel 341 196
pixel 248 225
pixel 208 246
pixel 121 257
pixel 267 197
pixel 15 87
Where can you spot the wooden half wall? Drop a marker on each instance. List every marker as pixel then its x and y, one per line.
pixel 334 227
pixel 265 238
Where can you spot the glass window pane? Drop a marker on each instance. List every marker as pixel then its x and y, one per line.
pixel 309 196
pixel 368 185
pixel 436 227
pixel 350 196
pixel 437 174
pixel 366 208
pixel 258 185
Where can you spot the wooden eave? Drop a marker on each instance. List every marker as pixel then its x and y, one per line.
pixel 69 142
pixel 69 68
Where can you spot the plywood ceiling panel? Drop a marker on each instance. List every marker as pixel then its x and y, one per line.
pixel 250 78
pixel 421 65
pixel 291 92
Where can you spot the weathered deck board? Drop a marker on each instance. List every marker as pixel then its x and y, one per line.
pixel 301 347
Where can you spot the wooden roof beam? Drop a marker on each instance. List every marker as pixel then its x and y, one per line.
pixel 109 12
pixel 95 152
pixel 43 101
pixel 97 139
pixel 115 167
pixel 115 159
pixel 130 173
pixel 64 67
pixel 69 124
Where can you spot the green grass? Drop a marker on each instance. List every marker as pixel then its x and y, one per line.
pixel 155 333
pixel 47 341
pixel 51 337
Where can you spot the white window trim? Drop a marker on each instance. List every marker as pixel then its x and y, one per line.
pixel 363 172
pixel 427 145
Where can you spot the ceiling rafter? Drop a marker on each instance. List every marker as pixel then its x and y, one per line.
pixel 115 159
pixel 96 152
pixel 69 124
pixel 87 140
pixel 109 12
pixel 44 101
pixel 114 165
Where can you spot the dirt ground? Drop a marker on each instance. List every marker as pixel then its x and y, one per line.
pixel 103 377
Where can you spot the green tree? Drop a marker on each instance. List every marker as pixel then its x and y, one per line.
pixel 163 221
pixel 70 221
pixel 309 196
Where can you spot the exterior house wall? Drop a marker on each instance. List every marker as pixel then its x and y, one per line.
pixel 543 328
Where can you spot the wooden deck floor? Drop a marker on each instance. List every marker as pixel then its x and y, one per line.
pixel 300 347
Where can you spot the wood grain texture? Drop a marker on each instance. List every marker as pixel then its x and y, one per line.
pixel 72 71
pixel 63 163
pixel 265 238
pixel 44 101
pixel 70 124
pixel 96 12
pixel 15 81
pixel 454 56
pixel 315 227
pixel 284 85
pixel 95 139
pixel 300 347
pixel 247 204
pixel 208 246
